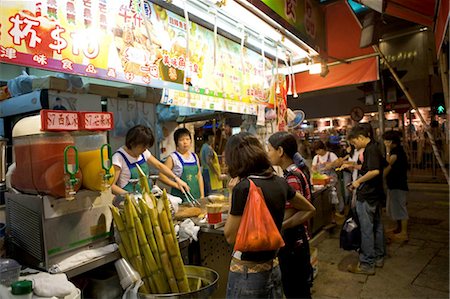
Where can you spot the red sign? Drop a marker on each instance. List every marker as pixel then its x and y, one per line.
pixel 96 121
pixel 57 120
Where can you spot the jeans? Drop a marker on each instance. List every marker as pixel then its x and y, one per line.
pixel 265 284
pixel 295 264
pixel 372 234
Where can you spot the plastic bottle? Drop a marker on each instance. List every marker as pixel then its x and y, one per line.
pixel 22 289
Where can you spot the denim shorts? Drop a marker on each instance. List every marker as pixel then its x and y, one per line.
pixel 265 284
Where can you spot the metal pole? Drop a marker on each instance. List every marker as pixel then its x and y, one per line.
pixel 422 120
pixel 380 119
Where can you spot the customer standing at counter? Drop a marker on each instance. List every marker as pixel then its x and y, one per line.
pixel 135 152
pixel 369 198
pixel 295 260
pixel 185 164
pixel 255 274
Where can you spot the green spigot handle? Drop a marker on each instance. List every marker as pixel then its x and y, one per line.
pixel 106 164
pixel 71 169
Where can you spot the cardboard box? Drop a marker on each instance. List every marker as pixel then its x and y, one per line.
pixel 102 90
pixel 53 83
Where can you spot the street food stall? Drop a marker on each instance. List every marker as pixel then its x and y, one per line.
pixel 176 54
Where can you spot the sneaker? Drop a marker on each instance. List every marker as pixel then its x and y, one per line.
pixel 358 269
pixel 379 263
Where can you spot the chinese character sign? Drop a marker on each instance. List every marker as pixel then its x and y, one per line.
pixel 122 41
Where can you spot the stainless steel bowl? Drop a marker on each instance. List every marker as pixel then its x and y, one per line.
pixel 195 274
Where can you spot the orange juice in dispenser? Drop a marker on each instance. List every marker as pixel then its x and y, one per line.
pixel 39 156
pixel 95 159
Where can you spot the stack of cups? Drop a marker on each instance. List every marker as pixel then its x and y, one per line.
pixel 127 275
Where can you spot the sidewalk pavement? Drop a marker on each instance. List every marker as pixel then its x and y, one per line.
pixel 418 268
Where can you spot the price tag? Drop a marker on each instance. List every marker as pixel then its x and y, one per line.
pixel 58 120
pixel 96 121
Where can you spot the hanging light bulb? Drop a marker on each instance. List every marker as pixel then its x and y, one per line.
pixel 293 79
pixel 277 84
pixel 286 62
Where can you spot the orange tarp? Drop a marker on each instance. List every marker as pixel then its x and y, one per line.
pixel 360 71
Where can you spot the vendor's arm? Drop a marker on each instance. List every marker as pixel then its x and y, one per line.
pixel 165 173
pixel 305 211
pixel 114 187
pixel 314 163
pixel 334 162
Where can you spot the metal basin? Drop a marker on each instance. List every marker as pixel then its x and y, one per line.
pixel 196 275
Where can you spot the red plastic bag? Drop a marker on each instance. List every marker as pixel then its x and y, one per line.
pixel 257 231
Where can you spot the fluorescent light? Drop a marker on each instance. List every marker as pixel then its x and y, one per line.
pixel 296 68
pixel 315 68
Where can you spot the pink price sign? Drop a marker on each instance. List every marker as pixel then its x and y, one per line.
pixel 96 121
pixel 57 120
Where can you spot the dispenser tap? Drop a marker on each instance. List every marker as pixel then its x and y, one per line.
pixel 70 171
pixel 106 165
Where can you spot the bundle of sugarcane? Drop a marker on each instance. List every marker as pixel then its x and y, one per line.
pixel 149 243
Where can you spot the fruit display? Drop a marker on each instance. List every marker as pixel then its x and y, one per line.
pixel 320 179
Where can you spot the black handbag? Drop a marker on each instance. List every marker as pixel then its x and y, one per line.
pixel 350 237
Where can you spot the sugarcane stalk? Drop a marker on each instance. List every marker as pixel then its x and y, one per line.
pixel 135 256
pixel 148 228
pixel 143 180
pixel 172 243
pixel 151 283
pixel 155 274
pixel 165 261
pixel 125 240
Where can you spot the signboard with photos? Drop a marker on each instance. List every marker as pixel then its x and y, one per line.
pixel 121 41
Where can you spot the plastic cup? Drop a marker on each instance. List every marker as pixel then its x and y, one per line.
pixel 214 218
pixel 127 275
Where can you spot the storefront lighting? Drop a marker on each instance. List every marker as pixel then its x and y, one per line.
pixel 413 110
pixel 234 14
pixel 315 68
pixel 372 114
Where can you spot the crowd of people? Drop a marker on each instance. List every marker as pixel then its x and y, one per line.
pixel 358 172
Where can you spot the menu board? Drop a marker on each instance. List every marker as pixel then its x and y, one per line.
pixel 122 41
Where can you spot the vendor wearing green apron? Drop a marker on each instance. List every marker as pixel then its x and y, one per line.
pixel 185 164
pixel 135 152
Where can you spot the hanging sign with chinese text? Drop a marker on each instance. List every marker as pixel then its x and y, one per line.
pixel 115 40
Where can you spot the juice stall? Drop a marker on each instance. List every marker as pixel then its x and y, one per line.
pixel 173 53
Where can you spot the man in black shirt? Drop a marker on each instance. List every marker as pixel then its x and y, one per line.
pixel 369 198
pixel 396 181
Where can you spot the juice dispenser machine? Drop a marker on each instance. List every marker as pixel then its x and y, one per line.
pixel 54 216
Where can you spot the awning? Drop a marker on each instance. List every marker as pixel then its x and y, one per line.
pixel 356 72
pixel 343 38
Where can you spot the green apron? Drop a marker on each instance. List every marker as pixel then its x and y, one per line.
pixel 189 175
pixel 134 172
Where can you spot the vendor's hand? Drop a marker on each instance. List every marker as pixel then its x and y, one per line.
pixel 233 182
pixel 182 185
